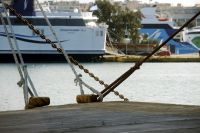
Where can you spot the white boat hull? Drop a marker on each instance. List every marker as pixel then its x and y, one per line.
pixel 75 40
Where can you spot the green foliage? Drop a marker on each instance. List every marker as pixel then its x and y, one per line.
pixel 146 40
pixel 149 41
pixel 121 22
pixel 192 24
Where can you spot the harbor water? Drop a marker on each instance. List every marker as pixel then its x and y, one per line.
pixel 175 83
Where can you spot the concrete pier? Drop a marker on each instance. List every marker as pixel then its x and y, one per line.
pixel 136 58
pixel 106 117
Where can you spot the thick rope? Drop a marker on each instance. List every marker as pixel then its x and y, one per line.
pixel 59 44
pixel 137 65
pixel 78 78
pixel 25 89
pixel 20 83
pixel 101 82
pixel 59 49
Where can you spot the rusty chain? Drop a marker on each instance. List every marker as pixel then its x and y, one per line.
pixel 96 78
pixel 38 32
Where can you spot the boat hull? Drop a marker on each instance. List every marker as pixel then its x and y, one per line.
pixel 51 58
pixel 80 41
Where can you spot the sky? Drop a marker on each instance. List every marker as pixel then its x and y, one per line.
pixel 174 2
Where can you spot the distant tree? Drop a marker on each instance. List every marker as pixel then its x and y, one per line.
pixel 192 24
pixel 132 20
pixel 121 22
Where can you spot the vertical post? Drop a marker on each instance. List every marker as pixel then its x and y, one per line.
pixel 199 53
pixel 126 47
pixel 25 85
pixel 196 22
pixel 126 39
pixel 147 50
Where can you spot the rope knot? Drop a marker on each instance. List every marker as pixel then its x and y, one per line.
pixel 20 83
pixel 76 80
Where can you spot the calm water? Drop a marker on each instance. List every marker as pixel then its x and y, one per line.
pixel 177 83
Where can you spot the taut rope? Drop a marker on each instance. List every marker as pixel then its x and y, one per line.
pixel 60 49
pixel 137 65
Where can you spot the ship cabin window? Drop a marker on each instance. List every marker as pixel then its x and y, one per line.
pixel 38 21
pixel 57 22
pixel 75 22
pixel 97 33
pixel 53 21
pixel 101 33
pixel 60 22
pixel 15 21
pixel 198 22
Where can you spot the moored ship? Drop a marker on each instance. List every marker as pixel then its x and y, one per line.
pixel 192 35
pixel 79 39
pixel 159 28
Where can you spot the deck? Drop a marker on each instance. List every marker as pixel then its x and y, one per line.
pixel 106 117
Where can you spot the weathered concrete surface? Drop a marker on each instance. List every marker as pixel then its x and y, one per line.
pixel 110 117
pixel 136 58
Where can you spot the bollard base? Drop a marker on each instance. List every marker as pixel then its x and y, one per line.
pixel 88 98
pixel 37 102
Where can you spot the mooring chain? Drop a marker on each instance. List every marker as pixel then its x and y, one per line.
pixel 96 78
pixel 38 32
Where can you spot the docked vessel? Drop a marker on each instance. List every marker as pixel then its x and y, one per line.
pixel 78 38
pixel 160 28
pixel 193 36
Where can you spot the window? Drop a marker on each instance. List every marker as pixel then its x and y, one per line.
pixel 101 33
pixel 97 33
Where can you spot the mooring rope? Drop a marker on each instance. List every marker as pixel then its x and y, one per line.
pixel 137 65
pixel 22 69
pixel 34 100
pixel 78 78
pixel 62 51
pixel 59 49
pixel 101 82
pixel 21 59
pixel 59 44
pixel 25 89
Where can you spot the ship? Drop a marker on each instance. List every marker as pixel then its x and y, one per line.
pixel 158 28
pixel 192 35
pixel 80 37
